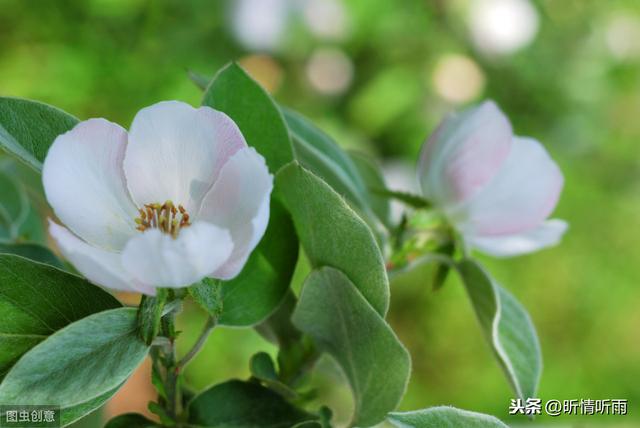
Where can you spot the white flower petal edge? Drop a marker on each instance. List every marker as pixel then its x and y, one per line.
pixel 176 152
pixel 97 265
pixel 85 185
pixel 520 196
pixel 239 202
pixel 464 153
pixel 156 258
pixel 546 235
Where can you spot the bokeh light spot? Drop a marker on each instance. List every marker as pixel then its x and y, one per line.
pixel 458 79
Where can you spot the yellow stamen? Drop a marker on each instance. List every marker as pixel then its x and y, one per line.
pixel 167 218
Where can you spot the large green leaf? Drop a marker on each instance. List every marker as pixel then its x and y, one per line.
pixel 131 420
pixel 258 290
pixel 507 326
pixel 233 92
pixel 36 300
pixel 27 128
pixel 332 234
pixel 33 252
pixel 317 152
pixel 344 324
pixel 78 367
pixel 371 174
pixel 75 412
pixel 238 404
pixel 444 417
pixel 14 207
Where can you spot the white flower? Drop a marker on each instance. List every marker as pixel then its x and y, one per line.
pixel 178 198
pixel 496 189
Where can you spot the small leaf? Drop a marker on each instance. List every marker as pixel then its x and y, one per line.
pixel 344 324
pixel 85 361
pixel 263 369
pixel 442 270
pixel 507 327
pixel 37 300
pixel 34 252
pixel 150 313
pixel 444 417
pixel 241 404
pixel 258 290
pixel 332 234
pixel 28 128
pixel 161 413
pixel 208 294
pixel 415 201
pixel 131 420
pixel 233 92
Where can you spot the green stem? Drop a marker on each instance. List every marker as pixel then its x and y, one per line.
pixel 206 330
pixel 172 387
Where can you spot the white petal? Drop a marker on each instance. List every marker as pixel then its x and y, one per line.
pixel 156 258
pixel 239 202
pixel 464 153
pixel 176 152
pixel 84 183
pixel 546 235
pixel 97 265
pixel 519 198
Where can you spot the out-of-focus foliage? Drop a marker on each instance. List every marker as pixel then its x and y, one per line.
pixel 378 75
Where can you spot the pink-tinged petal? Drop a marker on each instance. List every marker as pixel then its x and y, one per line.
pixel 84 183
pixel 464 153
pixel 156 258
pixel 519 198
pixel 546 235
pixel 239 202
pixel 176 152
pixel 97 265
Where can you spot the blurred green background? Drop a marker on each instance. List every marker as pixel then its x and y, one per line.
pixel 378 75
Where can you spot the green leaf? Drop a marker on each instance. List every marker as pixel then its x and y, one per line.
pixel 308 424
pixel 131 420
pixel 263 369
pixel 14 207
pixel 415 201
pixel 208 294
pixel 507 327
pixel 28 128
pixel 33 252
pixel 372 176
pixel 233 92
pixel 238 404
pixel 317 152
pixel 258 290
pixel 79 366
pixel 73 413
pixel 332 234
pixel 447 249
pixel 336 315
pixel 36 300
pixel 149 314
pixel 444 417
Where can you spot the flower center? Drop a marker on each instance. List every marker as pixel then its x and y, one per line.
pixel 167 217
